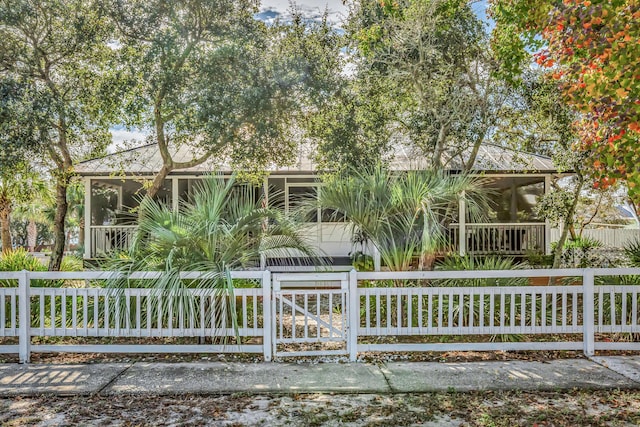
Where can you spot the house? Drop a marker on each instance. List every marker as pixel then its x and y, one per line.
pixel 114 184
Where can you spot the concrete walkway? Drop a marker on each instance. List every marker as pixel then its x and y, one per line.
pixel 282 378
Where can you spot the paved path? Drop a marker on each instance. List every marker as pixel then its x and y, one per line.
pixel 283 378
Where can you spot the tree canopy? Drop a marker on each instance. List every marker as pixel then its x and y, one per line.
pixel 592 49
pixel 432 61
pixel 60 50
pixel 209 76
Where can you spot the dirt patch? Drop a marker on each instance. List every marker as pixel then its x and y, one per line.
pixel 372 357
pixel 443 357
pixel 614 408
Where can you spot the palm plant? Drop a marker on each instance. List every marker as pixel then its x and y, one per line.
pixel 16 186
pixel 469 262
pixel 35 210
pixel 632 251
pixel 404 215
pixel 223 227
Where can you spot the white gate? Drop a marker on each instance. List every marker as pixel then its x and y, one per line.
pixel 310 314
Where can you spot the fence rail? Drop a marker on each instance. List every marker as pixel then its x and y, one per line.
pixel 583 309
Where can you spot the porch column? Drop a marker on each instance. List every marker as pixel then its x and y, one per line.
pixel 265 223
pixel 547 224
pixel 175 197
pixel 377 261
pixel 462 225
pixel 513 211
pixel 87 218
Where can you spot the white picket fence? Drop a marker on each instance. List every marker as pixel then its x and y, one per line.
pixel 326 313
pixel 616 238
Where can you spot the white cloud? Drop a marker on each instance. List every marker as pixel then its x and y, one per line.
pixel 310 9
pixel 122 137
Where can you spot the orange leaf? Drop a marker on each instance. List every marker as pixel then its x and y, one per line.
pixel 621 93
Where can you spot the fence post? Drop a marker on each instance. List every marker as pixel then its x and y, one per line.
pixel 24 319
pixel 588 315
pixel 266 315
pixel 354 315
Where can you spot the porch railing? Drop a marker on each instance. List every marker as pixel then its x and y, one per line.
pixel 109 238
pixel 481 238
pixel 499 238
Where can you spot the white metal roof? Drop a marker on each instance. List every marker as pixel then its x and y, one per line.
pixel 146 160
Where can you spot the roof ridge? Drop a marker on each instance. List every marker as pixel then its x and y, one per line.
pixel 117 153
pixel 516 151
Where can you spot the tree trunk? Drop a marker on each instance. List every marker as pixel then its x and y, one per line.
pixel 59 234
pixel 5 223
pixel 158 182
pixel 440 147
pixel 81 233
pixel 32 235
pixel 568 225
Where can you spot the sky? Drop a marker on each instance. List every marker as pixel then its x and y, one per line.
pixel 270 10
pixel 309 8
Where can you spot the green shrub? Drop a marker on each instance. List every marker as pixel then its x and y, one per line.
pixel 71 263
pixel 632 251
pixel 584 243
pixel 361 261
pixel 458 263
pixel 18 260
pixel 582 252
pixel 454 305
pixel 538 259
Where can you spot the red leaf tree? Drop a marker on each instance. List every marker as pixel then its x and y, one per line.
pixel 592 47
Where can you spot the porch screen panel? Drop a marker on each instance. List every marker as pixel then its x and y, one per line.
pixel 302 198
pixel 104 202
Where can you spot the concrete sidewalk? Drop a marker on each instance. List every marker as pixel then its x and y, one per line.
pixel 282 378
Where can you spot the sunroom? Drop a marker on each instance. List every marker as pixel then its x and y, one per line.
pixel 509 227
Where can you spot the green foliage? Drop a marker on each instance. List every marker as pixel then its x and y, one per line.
pixel 584 243
pixel 583 252
pixel 632 251
pixel 62 51
pixel 71 263
pixel 210 76
pixel 18 260
pixel 20 232
pixel 361 261
pixel 221 229
pixel 554 206
pixel 18 123
pixel 590 49
pixel 401 214
pixel 351 129
pixel 19 188
pixel 537 258
pixel 428 67
pixel 470 263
